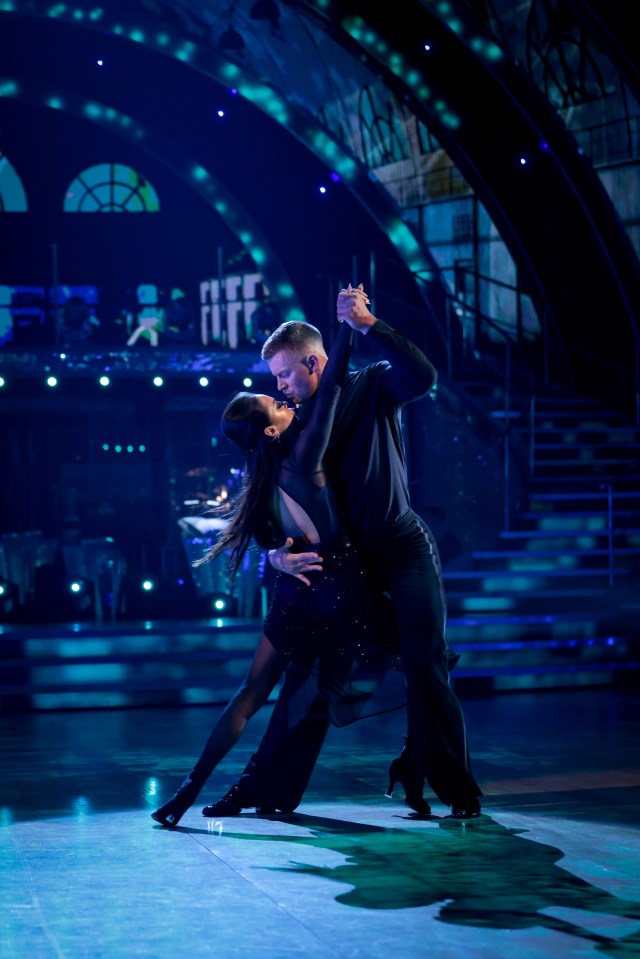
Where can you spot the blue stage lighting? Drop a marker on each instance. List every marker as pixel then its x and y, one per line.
pixel 8 596
pixel 81 594
pixel 158 381
pixel 247 381
pixel 104 381
pixel 147 585
pixel 203 381
pixel 52 381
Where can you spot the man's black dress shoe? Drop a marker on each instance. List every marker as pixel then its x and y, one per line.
pixel 231 804
pixel 466 808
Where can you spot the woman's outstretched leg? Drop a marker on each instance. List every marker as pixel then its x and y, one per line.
pixel 264 673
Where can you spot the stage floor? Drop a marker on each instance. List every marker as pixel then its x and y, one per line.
pixel 552 868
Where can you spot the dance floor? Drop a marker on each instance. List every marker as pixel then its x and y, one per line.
pixel 552 868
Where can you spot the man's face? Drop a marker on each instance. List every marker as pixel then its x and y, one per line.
pixel 297 374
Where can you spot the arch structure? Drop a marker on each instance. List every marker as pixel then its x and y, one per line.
pixel 450 97
pixel 13 197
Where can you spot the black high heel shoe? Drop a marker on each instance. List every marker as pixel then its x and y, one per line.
pixel 172 812
pixel 401 771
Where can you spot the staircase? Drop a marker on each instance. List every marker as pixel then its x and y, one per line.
pixel 554 602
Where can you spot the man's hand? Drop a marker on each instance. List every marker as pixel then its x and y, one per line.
pixel 352 309
pixel 295 564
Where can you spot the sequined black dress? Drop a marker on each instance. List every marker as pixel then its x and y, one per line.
pixel 341 628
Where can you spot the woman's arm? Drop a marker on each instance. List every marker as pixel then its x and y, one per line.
pixel 310 447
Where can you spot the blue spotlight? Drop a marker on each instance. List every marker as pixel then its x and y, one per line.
pixel 203 381
pixel 104 381
pixel 81 595
pixel 247 381
pixel 147 585
pixel 8 596
pixel 52 381
pixel 158 381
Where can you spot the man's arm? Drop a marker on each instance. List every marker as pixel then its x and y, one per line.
pixel 411 374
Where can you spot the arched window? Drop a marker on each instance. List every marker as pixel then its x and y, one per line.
pixel 111 188
pixel 13 198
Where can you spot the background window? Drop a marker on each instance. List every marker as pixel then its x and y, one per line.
pixel 111 188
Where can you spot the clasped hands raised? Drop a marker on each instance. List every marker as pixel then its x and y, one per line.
pixel 352 307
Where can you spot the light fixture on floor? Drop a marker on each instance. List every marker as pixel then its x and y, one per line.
pixel 221 603
pixel 81 595
pixel 8 597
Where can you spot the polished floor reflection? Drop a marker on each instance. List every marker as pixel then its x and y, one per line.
pixel 552 868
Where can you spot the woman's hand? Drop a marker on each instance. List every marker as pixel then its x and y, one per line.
pixel 294 564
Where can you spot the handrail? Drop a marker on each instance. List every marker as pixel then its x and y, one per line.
pixel 511 343
pixel 608 486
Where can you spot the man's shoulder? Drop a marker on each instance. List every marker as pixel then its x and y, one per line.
pixel 368 372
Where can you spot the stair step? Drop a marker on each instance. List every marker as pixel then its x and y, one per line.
pixel 514 574
pixel 602 452
pixel 528 554
pixel 583 532
pixel 606 642
pixel 571 526
pixel 599 482
pixel 589 469
pixel 592 601
pixel 580 494
pixel 579 415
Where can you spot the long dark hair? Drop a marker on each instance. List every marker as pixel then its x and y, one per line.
pixel 244 421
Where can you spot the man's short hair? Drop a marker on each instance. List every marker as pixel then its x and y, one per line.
pixel 293 336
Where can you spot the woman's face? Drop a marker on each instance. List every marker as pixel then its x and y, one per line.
pixel 280 415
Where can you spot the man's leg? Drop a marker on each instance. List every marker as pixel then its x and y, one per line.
pixel 436 737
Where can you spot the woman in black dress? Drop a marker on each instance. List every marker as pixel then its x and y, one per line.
pixel 334 630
